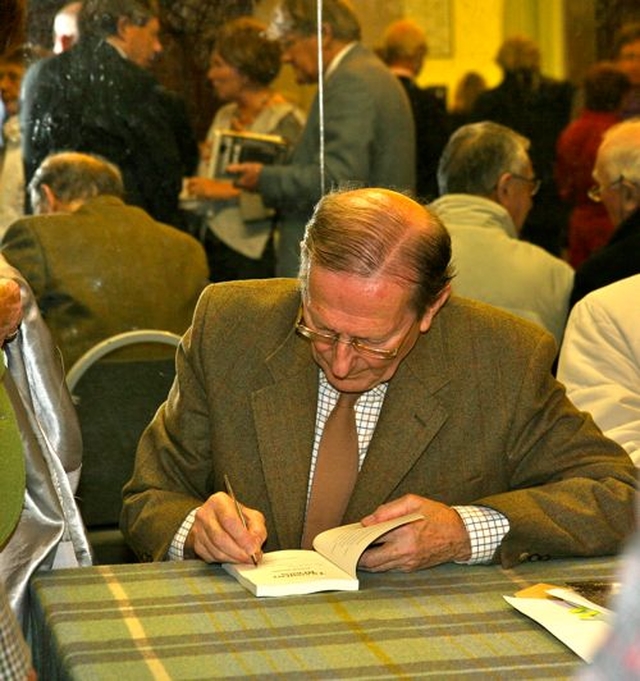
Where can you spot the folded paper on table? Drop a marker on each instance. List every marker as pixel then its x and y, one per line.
pixel 581 624
pixel 330 567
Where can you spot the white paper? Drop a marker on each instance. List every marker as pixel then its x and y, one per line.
pixel 582 635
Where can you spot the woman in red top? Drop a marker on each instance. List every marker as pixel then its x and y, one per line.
pixel 605 88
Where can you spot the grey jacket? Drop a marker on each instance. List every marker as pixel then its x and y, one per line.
pixel 50 532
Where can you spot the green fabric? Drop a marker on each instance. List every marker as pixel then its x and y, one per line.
pixel 13 475
pixel 190 620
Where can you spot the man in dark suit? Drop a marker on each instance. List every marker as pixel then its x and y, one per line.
pixel 98 97
pixel 617 186
pixel 458 415
pixel 367 124
pixel 539 108
pixel 96 265
pixel 404 49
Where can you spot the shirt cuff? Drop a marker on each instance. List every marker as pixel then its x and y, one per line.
pixel 486 528
pixel 176 548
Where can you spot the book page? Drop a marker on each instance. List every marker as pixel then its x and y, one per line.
pixel 345 544
pixel 295 571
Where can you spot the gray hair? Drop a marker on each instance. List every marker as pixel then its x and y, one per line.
pixel 477 155
pixel 619 152
pixel 99 18
pixel 301 16
pixel 72 176
pixel 370 232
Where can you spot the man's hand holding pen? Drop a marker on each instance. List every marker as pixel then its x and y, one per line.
pixel 218 534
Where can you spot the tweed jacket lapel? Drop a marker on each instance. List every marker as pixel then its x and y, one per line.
pixel 411 416
pixel 405 428
pixel 285 449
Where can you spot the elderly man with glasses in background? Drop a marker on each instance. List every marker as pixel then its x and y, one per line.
pixel 617 185
pixel 449 408
pixel 487 185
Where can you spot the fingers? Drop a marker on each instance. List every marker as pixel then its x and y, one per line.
pixel 440 538
pixel 409 503
pixel 10 309
pixel 218 534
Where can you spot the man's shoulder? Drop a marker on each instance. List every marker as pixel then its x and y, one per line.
pixel 540 260
pixel 33 223
pixel 361 62
pixel 262 309
pixel 615 259
pixel 256 293
pixel 464 319
pixel 616 300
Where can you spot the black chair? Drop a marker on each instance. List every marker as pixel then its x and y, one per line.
pixel 117 387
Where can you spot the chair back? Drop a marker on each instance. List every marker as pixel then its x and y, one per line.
pixel 117 386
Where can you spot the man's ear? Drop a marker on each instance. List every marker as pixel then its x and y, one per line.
pixel 123 25
pixel 630 196
pixel 48 200
pixel 503 188
pixel 327 35
pixel 428 316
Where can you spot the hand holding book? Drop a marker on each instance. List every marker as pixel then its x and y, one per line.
pixel 330 567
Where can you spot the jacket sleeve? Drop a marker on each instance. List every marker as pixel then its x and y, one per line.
pixel 22 249
pixel 571 490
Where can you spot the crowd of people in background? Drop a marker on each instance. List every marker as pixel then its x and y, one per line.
pixel 540 200
pixel 251 223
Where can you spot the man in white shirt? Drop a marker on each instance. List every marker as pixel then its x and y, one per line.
pixel 600 361
pixel 487 186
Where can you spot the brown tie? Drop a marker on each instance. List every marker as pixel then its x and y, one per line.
pixel 336 470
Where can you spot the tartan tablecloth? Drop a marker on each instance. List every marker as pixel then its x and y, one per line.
pixel 193 621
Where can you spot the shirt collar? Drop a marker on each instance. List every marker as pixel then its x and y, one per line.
pixel 335 62
pixel 376 393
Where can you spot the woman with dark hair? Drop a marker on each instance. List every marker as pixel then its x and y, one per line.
pixel 605 89
pixel 238 229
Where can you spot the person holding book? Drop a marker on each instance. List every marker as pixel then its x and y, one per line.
pixel 360 130
pixel 457 414
pixel 238 230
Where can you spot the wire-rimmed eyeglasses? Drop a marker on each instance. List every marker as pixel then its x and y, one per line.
pixel 595 193
pixel 534 182
pixel 330 339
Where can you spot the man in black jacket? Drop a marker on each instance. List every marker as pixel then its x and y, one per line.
pixel 99 98
pixel 404 49
pixel 539 108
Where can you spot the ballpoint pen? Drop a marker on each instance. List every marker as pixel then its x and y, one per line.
pixel 227 484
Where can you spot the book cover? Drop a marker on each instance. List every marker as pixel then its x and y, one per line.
pixel 331 566
pixel 230 146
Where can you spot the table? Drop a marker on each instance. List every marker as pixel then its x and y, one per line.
pixel 193 621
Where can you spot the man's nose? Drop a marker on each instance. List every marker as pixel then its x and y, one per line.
pixel 342 359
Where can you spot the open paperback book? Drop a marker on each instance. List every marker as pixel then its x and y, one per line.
pixel 331 566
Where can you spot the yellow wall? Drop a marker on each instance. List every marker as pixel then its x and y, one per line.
pixel 476 35
pixel 476 31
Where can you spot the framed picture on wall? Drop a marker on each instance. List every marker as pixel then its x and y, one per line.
pixel 436 17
